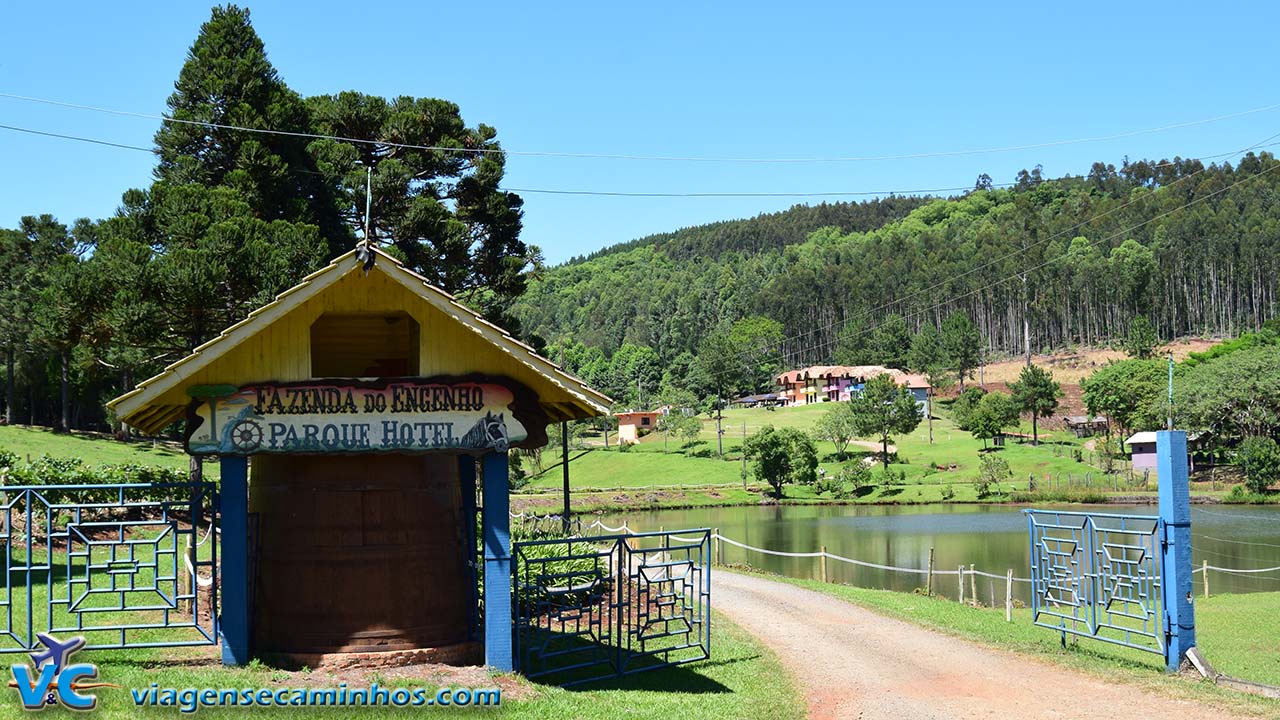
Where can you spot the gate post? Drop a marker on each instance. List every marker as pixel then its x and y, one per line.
pixel 467 482
pixel 233 624
pixel 1175 514
pixel 497 563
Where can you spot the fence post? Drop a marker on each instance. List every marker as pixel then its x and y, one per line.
pixel 189 585
pixel 1204 568
pixel 1008 596
pixel 928 583
pixel 960 578
pixel 1175 514
pixel 973 585
pixel 822 563
pixel 715 537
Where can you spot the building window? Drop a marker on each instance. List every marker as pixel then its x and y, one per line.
pixel 644 421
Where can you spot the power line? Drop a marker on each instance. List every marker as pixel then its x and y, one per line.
pixel 855 193
pixel 604 193
pixel 76 137
pixel 659 158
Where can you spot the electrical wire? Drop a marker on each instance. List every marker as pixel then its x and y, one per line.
pixel 661 158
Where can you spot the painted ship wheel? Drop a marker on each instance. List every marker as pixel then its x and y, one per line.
pixel 246 435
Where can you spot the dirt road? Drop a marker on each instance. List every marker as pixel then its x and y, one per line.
pixel 852 663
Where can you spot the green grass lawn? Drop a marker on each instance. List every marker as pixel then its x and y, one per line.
pixel 741 680
pixel 31 441
pixel 1236 632
pixel 952 459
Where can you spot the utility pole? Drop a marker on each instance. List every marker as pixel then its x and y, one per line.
pixel 744 454
pixel 719 426
pixel 1170 424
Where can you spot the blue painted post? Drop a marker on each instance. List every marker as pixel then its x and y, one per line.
pixel 467 485
pixel 1175 513
pixel 233 622
pixel 497 564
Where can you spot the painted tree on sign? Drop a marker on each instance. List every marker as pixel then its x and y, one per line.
pixel 1036 392
pixel 883 409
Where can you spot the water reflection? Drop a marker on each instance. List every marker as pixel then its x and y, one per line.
pixel 991 537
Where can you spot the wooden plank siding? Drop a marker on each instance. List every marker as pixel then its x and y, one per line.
pixel 274 344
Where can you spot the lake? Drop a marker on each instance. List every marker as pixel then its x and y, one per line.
pixel 991 537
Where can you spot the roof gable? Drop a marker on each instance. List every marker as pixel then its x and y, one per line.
pixel 273 343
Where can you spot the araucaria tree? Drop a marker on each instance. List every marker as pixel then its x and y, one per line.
pixel 962 344
pixel 1036 392
pixel 883 409
pixel 781 456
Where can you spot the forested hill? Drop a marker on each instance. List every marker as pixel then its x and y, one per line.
pixel 1194 248
pixel 770 230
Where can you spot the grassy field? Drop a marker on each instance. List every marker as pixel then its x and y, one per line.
pixel 1236 632
pixel 29 441
pixel 952 458
pixel 741 680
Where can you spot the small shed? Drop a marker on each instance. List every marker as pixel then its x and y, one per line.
pixel 633 424
pixel 360 420
pixel 1142 451
pixel 1085 425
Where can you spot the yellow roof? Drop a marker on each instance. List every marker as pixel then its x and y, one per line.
pixel 273 344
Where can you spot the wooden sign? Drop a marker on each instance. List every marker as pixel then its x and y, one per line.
pixel 401 415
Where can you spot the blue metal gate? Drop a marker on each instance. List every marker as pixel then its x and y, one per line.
pixel 1099 576
pixel 589 608
pixel 122 565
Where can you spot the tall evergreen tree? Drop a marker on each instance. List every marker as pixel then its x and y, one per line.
pixel 1036 392
pixel 962 343
pixel 442 211
pixel 228 81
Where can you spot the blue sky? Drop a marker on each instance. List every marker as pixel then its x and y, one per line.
pixel 775 80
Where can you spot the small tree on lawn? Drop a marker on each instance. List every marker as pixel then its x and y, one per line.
pixel 884 409
pixel 965 404
pixel 994 413
pixel 992 472
pixel 1260 459
pixel 1036 392
pixel 684 427
pixel 782 456
pixel 837 425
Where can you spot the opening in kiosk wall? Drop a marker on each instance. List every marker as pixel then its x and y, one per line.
pixel 364 345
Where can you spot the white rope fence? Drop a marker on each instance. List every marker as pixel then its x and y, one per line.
pixel 861 563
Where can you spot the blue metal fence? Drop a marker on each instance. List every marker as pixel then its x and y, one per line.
pixel 590 608
pixel 1098 575
pixel 119 564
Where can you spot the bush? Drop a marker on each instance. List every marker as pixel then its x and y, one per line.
pixel 948 493
pixel 1259 457
pixel 992 471
pixel 856 476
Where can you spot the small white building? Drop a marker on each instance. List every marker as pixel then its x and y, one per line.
pixel 1142 450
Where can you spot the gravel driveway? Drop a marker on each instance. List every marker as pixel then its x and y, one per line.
pixel 853 663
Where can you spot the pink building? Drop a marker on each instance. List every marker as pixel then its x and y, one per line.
pixel 832 383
